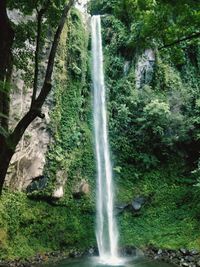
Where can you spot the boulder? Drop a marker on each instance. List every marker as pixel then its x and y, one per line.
pixel 58 192
pixel 91 252
pixel 137 203
pixel 61 179
pixel 121 208
pixel 131 251
pixel 38 183
pixel 134 206
pixel 81 189
pixel 184 251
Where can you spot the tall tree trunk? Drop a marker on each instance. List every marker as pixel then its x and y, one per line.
pixel 6 42
pixel 9 143
pixel 6 154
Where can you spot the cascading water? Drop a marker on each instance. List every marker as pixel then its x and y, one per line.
pixel 106 232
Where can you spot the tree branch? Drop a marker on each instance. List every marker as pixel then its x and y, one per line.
pixel 48 77
pixel 56 41
pixel 193 36
pixel 40 14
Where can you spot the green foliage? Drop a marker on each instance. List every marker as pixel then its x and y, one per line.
pixel 147 126
pixel 29 227
pixel 171 209
pixel 70 126
pixel 153 22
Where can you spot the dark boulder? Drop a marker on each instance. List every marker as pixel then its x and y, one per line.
pixel 128 251
pixel 121 208
pixel 137 203
pixel 37 184
pixel 135 206
pixel 91 252
pixel 184 251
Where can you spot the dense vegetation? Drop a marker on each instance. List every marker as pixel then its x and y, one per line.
pixel 153 128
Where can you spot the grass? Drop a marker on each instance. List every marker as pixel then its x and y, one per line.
pixel 28 227
pixel 169 219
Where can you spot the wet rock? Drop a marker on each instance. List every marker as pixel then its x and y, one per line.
pixel 181 257
pixel 135 206
pixel 130 251
pixel 184 251
pixel 189 258
pixel 145 68
pixel 185 264
pixel 194 252
pixel 121 208
pixel 75 253
pixel 92 251
pixel 137 203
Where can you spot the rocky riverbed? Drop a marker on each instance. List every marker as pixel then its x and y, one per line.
pixel 181 257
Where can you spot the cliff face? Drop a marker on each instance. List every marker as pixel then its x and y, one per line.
pixel 30 157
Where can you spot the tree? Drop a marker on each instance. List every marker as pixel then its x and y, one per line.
pixel 10 140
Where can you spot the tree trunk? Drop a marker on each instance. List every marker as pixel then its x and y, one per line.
pixel 9 143
pixel 6 154
pixel 6 42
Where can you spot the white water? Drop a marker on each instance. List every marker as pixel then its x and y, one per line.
pixel 106 231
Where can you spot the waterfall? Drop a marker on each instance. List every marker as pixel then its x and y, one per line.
pixel 106 230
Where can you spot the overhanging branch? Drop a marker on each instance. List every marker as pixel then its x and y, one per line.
pixel 40 14
pixel 187 38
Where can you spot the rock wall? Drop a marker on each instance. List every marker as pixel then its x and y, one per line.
pixel 29 159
